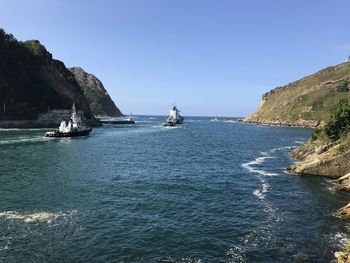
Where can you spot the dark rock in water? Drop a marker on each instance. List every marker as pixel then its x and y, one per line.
pixel 97 96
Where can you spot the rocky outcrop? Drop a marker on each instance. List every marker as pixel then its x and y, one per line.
pixel 298 123
pixel 320 161
pixel 344 212
pixel 306 102
pixel 98 98
pixel 342 257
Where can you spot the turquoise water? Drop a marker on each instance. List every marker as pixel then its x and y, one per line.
pixel 203 192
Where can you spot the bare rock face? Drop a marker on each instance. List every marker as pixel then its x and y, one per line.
pixel 97 96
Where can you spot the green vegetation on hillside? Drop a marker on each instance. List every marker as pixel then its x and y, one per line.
pixel 338 125
pixel 343 86
pixel 336 131
pixel 339 122
pixel 309 99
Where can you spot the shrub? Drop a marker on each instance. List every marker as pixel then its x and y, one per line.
pixel 339 122
pixel 343 86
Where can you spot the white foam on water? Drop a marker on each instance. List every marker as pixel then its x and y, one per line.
pixel 261 193
pixel 283 148
pixel 21 140
pixel 236 254
pixel 23 129
pixel 37 217
pixel 145 121
pixel 299 142
pixel 250 166
pixel 171 127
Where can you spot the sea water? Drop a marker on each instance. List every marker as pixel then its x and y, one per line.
pixel 204 191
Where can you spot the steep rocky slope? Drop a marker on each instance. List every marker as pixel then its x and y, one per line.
pixel 31 81
pixel 306 102
pixel 99 101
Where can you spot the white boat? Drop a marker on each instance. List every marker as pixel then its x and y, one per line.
pixel 74 127
pixel 174 117
pixel 215 119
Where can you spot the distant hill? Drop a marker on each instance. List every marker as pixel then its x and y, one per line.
pixel 306 102
pixel 99 101
pixel 31 81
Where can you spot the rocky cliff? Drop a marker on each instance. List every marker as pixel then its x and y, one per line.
pixel 32 82
pixel 99 101
pixel 306 102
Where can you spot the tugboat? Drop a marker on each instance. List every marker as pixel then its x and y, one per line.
pixel 75 127
pixel 174 117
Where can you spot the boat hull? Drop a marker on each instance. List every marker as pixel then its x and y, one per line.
pixel 180 120
pixel 58 134
pixel 169 124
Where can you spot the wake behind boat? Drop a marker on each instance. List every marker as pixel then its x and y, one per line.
pixel 117 120
pixel 75 127
pixel 174 117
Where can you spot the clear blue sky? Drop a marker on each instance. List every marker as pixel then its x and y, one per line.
pixel 211 57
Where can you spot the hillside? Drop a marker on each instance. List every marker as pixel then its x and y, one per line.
pixel 306 102
pixel 31 81
pixel 99 101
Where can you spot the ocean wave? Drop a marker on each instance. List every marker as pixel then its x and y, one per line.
pixel 145 121
pixel 23 129
pixel 283 148
pixel 250 166
pixel 171 127
pixel 17 140
pixel 37 217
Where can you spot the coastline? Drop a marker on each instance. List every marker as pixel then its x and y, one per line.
pixel 311 124
pixel 321 161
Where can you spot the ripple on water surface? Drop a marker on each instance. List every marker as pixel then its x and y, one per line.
pixel 202 192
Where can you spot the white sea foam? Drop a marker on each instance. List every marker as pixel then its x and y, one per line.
pixel 282 148
pixel 45 217
pixel 250 166
pixel 236 255
pixel 299 142
pixel 171 127
pixel 23 129
pixel 145 121
pixel 261 193
pixel 14 141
